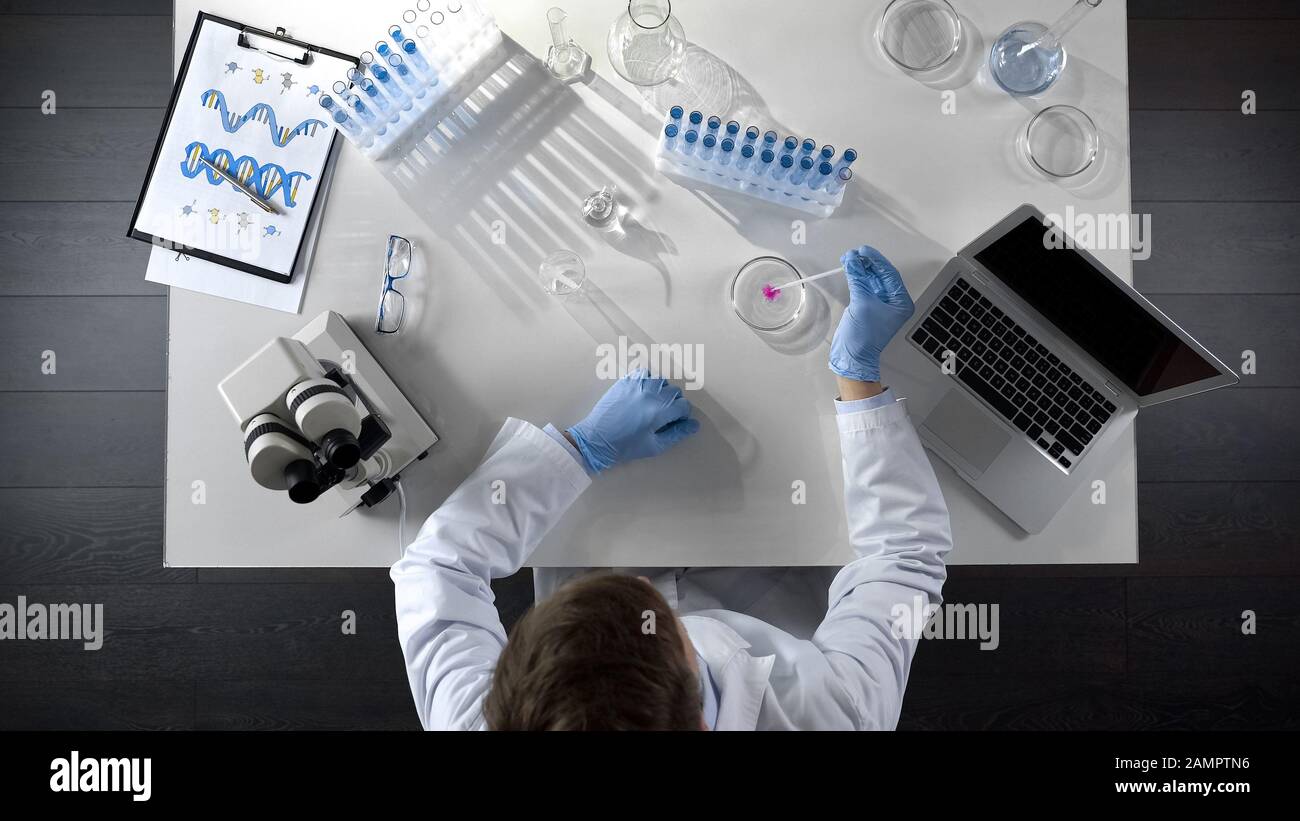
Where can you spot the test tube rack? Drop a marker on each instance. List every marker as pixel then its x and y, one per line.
pixel 453 45
pixel 691 162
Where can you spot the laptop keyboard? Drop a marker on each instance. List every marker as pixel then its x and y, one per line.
pixel 1012 371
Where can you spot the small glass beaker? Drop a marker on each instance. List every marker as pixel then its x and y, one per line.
pixel 919 35
pixel 757 301
pixel 601 211
pixel 562 273
pixel 1060 141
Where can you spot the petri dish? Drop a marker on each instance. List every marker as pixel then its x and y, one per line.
pixel 1061 141
pixel 562 273
pixel 919 35
pixel 754 307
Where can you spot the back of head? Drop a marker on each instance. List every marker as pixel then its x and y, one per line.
pixel 603 653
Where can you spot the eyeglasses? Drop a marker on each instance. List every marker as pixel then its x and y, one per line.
pixel 392 304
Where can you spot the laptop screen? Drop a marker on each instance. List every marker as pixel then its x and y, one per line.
pixel 1100 316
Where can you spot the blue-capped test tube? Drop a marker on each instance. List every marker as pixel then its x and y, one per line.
pixel 708 144
pixel 675 115
pixel 751 135
pixel 827 154
pixel 790 145
pixel 411 53
pixel 849 157
pixel 371 89
pixel 764 162
pixel 733 129
pixel 801 173
pixel 715 123
pixel 345 123
pixel 808 147
pixel 365 115
pixel 746 157
pixel 695 119
pixel 688 147
pixel 769 141
pixel 405 75
pixel 395 34
pixel 670 137
pixel 838 180
pixel 390 86
pixel 782 168
pixel 822 176
pixel 726 151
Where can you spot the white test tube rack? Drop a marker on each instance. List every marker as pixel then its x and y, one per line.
pixel 672 161
pixel 453 49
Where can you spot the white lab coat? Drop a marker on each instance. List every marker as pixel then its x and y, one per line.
pixel 847 672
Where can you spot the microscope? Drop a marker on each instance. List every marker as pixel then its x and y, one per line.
pixel 317 412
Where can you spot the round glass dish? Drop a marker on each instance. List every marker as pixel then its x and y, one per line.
pixel 752 287
pixel 1061 141
pixel 919 35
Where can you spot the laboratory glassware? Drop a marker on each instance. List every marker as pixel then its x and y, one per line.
pixel 600 210
pixel 392 303
pixel 566 60
pixel 752 286
pixel 646 44
pixel 562 273
pixel 1028 57
pixel 1060 141
pixel 919 35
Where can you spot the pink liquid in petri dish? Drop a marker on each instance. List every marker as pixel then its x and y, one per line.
pixel 770 293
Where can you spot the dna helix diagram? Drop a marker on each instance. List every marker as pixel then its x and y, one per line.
pixel 266 179
pixel 262 113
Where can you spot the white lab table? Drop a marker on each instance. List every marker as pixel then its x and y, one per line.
pixel 484 342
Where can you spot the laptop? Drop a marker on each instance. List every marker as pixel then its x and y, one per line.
pixel 1025 361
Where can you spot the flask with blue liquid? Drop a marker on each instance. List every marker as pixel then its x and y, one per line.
pixel 1028 57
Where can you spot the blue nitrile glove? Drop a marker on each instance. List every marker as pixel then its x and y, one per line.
pixel 638 416
pixel 878 306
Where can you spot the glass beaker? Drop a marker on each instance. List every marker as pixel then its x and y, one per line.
pixel 601 210
pixel 562 273
pixel 1028 57
pixel 758 303
pixel 646 44
pixel 566 60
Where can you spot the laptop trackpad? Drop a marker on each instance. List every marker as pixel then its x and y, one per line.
pixel 967 429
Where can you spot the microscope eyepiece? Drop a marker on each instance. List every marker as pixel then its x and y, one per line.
pixel 301 482
pixel 341 449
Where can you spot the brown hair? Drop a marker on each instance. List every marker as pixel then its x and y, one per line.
pixel 582 660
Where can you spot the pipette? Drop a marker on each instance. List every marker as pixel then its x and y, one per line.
pixel 771 292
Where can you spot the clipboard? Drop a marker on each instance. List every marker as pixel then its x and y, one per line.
pixel 246 100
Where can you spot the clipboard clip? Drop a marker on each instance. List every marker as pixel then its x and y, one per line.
pixel 303 58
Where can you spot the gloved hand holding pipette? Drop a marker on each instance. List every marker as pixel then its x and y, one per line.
pixel 638 417
pixel 879 306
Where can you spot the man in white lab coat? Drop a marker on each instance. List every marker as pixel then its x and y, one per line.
pixel 622 651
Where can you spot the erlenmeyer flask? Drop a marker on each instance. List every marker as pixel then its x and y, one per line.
pixel 646 44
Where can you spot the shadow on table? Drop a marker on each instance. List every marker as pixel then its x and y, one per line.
pixel 502 178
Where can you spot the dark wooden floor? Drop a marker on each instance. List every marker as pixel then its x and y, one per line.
pixel 1156 646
